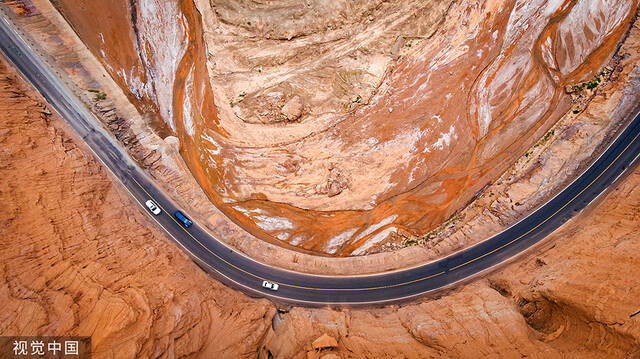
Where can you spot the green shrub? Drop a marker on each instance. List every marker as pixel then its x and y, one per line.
pixel 98 95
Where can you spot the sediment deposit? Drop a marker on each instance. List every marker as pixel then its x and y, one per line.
pixel 344 123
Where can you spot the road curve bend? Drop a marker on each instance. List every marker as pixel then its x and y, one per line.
pixel 247 275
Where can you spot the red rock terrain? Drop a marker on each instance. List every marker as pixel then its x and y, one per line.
pixel 79 257
pixel 341 124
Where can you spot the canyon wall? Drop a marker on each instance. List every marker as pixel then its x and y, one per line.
pixel 343 124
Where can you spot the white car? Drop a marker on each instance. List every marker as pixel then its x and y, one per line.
pixel 153 207
pixel 269 285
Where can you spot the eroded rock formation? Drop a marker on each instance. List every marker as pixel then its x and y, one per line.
pixel 575 298
pixel 78 257
pixel 343 123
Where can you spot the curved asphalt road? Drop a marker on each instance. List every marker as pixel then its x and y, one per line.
pixel 299 288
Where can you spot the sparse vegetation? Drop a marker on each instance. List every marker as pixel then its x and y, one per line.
pixel 434 233
pixel 591 84
pixel 452 221
pixel 347 86
pixel 98 95
pixel 544 140
pixel 240 99
pixel 410 242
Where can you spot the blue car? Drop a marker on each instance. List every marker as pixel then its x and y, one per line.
pixel 186 222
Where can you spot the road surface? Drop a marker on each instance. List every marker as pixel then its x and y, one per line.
pixel 299 288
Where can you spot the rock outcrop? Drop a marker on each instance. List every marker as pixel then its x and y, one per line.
pixel 574 297
pixel 79 257
pixel 420 104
